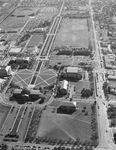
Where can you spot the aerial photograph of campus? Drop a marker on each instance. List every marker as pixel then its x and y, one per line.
pixel 57 75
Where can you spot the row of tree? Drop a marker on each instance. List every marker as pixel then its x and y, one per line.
pixel 89 144
pixel 34 126
pixel 94 125
pixel 111 111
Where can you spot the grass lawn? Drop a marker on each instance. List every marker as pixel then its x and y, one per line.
pixel 112 83
pixel 13 23
pixel 65 60
pixel 73 32
pixel 24 11
pixel 36 40
pixel 64 126
pixel 48 9
pixel 79 86
pixel 112 97
pixel 3 114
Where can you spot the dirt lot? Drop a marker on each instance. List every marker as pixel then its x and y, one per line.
pixel 64 126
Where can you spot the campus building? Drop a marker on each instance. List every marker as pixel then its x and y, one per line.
pixel 64 87
pixel 15 51
pixel 5 71
pixel 72 73
pixel 25 95
pixel 66 108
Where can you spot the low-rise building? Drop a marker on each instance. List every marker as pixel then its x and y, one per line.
pixel 25 95
pixel 64 87
pixel 111 77
pixel 73 71
pixel 5 71
pixel 109 62
pixel 15 50
pixel 66 108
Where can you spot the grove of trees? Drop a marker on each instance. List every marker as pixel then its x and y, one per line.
pixel 86 93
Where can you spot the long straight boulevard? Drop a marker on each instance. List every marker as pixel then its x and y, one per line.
pixel 105 138
pixel 20 117
pixel 47 44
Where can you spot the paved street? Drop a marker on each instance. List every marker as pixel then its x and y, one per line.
pixel 19 119
pixel 105 137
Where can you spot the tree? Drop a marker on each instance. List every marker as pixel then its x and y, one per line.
pixel 86 113
pixel 86 92
pixel 4 147
pixel 115 137
pixel 105 88
pixel 55 67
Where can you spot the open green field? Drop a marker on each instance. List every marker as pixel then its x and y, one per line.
pixel 73 32
pixel 81 84
pixel 14 23
pixel 36 40
pixel 48 9
pixel 24 11
pixel 62 126
pixel 3 114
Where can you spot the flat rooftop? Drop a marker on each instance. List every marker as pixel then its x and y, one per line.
pixel 15 50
